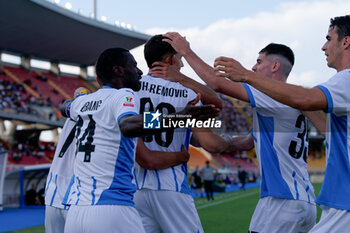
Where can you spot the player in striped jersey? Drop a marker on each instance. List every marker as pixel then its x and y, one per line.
pixel 279 133
pixel 334 98
pixel 60 174
pixel 102 194
pixel 163 199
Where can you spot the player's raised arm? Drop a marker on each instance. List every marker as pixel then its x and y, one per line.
pixel 65 107
pixel 171 73
pixel 159 159
pixel 203 70
pixel 292 95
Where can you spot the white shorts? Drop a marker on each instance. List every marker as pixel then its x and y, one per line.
pixel 332 221
pixel 283 215
pixel 167 211
pixel 103 219
pixel 55 219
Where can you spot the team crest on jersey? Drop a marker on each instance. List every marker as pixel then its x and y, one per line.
pixel 128 102
pixel 151 120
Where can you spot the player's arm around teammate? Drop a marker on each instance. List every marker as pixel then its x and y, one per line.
pixel 203 70
pixel 169 72
pixel 132 125
pixel 295 96
pixel 158 159
pixel 234 89
pixel 208 140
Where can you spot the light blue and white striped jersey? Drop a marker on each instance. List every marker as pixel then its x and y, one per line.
pixel 104 157
pixel 335 191
pixel 61 169
pixel 167 97
pixel 280 138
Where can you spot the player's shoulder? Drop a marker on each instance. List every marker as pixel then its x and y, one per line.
pixel 339 78
pixel 125 91
pixel 114 95
pixel 264 101
pixel 343 74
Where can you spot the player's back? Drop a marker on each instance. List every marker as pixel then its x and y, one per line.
pixel 61 169
pixel 281 144
pixel 167 97
pixel 104 158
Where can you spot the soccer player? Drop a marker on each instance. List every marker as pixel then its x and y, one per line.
pixel 163 196
pixel 279 133
pixel 102 195
pixel 60 174
pixel 333 97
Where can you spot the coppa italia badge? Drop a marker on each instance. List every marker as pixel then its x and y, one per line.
pixel 128 102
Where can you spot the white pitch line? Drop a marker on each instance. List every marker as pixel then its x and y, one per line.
pixel 225 200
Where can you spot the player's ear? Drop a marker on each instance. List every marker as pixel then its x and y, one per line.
pixel 276 66
pixel 346 42
pixel 169 59
pixel 118 70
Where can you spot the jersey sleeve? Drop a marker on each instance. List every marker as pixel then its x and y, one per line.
pixel 338 100
pixel 126 104
pixel 261 101
pixel 70 110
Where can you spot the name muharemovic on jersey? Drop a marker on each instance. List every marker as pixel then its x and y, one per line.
pixel 164 91
pixel 153 120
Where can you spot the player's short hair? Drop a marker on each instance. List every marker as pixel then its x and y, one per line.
pixel 281 53
pixel 279 49
pixel 107 60
pixel 343 26
pixel 156 48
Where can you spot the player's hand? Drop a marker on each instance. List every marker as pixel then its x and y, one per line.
pixel 81 91
pixel 200 112
pixel 178 42
pixel 231 69
pixel 185 155
pixel 195 100
pixel 166 71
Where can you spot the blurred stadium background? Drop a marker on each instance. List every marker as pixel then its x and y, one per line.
pixel 47 52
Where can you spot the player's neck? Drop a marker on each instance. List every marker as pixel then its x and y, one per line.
pixel 152 76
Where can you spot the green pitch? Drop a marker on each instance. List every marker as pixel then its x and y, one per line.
pixel 229 213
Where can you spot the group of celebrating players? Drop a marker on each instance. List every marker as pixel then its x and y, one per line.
pixel 109 174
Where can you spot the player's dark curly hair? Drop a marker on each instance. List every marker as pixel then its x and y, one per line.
pixel 155 49
pixel 107 60
pixel 343 26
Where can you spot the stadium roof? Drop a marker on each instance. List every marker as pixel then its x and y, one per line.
pixel 44 30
